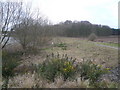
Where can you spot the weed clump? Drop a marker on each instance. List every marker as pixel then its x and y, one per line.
pixel 63 46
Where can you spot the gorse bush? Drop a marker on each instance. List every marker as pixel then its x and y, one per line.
pixel 55 65
pixel 92 37
pixel 90 70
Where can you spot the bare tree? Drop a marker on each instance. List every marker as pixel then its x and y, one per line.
pixel 27 27
pixel 33 30
pixel 32 33
pixel 9 16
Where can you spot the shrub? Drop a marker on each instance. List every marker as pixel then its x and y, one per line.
pixel 55 65
pixel 90 70
pixel 9 62
pixel 64 48
pixel 62 45
pixel 92 37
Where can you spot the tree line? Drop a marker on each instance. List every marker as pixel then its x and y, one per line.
pixel 83 29
pixel 29 28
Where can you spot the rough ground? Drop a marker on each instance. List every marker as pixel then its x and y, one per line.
pixel 78 48
pixel 113 39
pixel 81 48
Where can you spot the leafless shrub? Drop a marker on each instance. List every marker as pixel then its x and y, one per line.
pixel 92 37
pixel 10 13
pixel 32 31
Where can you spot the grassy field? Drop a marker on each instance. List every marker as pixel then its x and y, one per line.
pixel 111 44
pixel 84 49
pixel 78 48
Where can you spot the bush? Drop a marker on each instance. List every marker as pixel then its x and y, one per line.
pixel 62 45
pixel 90 70
pixel 64 48
pixel 9 62
pixel 92 37
pixel 55 65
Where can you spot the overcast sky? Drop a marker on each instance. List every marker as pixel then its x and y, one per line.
pixel 103 12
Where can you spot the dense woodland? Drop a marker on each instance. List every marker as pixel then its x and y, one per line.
pixel 83 29
pixel 72 29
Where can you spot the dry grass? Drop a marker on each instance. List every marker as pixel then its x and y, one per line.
pixel 33 81
pixel 22 81
pixel 77 48
pixel 80 49
pixel 108 39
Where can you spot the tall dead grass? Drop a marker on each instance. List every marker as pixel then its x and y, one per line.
pixel 29 80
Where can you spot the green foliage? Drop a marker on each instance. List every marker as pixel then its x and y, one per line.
pixel 90 70
pixel 92 37
pixel 64 48
pixel 9 62
pixel 62 45
pixel 55 65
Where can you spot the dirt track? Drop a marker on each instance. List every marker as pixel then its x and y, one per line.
pixel 108 46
